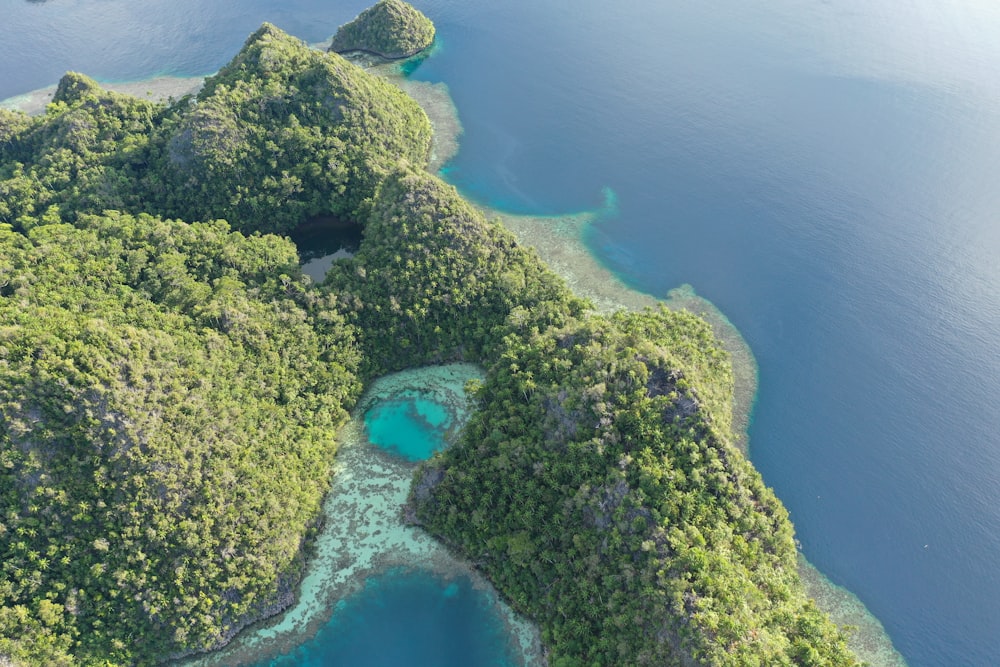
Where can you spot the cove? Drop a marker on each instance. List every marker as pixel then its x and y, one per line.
pixel 368 569
pixel 406 617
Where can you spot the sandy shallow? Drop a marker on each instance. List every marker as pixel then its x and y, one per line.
pixel 364 534
pixel 158 89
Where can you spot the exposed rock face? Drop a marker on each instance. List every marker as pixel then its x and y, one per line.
pixel 390 28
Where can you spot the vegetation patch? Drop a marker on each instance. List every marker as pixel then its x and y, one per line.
pixel 598 488
pixel 280 135
pixel 169 399
pixel 390 28
pixel 434 281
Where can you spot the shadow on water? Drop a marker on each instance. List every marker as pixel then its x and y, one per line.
pixel 324 239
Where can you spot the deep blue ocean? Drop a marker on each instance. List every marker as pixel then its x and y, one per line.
pixel 826 173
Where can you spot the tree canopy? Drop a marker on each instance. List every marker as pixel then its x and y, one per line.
pixel 435 281
pixel 169 398
pixel 389 28
pixel 598 488
pixel 281 134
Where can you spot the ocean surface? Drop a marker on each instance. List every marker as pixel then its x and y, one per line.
pixel 825 173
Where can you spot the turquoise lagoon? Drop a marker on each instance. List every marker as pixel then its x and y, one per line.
pixel 431 622
pixel 415 413
pixel 408 425
pixel 378 592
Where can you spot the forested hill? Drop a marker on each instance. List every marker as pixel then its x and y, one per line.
pixel 169 399
pixel 434 281
pixel 598 487
pixel 171 387
pixel 390 28
pixel 597 484
pixel 281 134
pixel 170 392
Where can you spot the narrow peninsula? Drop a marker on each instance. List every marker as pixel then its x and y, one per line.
pixel 172 386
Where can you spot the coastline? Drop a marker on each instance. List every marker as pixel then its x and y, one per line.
pixel 375 54
pixel 157 89
pixel 434 98
pixel 364 535
pixel 561 242
pixel 869 639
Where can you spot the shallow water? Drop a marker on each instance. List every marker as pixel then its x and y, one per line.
pixel 412 618
pixel 368 567
pixel 408 424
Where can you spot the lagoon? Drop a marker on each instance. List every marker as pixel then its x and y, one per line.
pixel 408 618
pixel 377 588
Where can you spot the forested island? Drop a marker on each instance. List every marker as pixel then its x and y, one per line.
pixel 171 387
pixel 389 28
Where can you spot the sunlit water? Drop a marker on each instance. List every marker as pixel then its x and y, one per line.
pixel 825 173
pixel 409 618
pixel 409 424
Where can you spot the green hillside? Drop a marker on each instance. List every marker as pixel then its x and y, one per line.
pixel 281 134
pixel 434 281
pixel 598 487
pixel 169 399
pixel 390 28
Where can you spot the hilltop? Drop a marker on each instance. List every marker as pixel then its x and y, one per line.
pixel 391 29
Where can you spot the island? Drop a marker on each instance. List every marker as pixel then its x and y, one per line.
pixel 172 386
pixel 390 28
